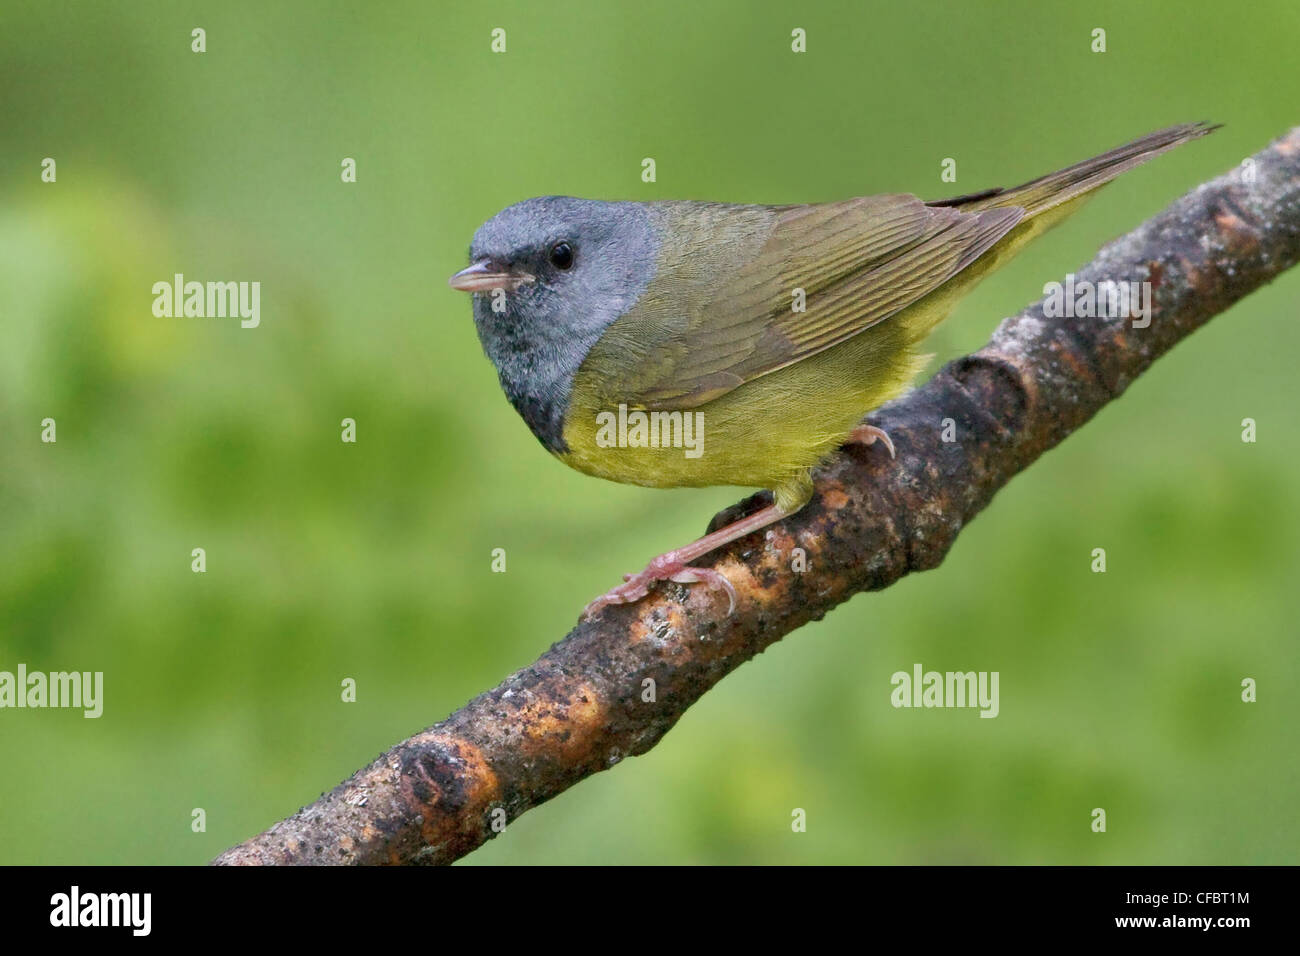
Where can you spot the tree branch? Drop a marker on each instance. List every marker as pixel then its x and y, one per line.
pixel 579 709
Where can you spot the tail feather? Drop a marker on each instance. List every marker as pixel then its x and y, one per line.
pixel 1059 194
pixel 1060 187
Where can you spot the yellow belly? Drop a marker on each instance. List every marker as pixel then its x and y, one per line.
pixel 765 433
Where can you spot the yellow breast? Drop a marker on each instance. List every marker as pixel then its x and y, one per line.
pixel 762 434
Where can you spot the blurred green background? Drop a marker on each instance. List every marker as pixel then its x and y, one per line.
pixel 372 561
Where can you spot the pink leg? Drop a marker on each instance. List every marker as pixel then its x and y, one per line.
pixel 672 566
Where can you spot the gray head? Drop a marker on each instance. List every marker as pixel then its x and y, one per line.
pixel 549 275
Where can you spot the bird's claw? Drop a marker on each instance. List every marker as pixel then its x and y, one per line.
pixel 663 568
pixel 870 434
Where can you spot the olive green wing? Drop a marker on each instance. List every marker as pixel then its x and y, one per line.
pixel 856 262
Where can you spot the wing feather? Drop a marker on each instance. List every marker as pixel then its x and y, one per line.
pixel 858 262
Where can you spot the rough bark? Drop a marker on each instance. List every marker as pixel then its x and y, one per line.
pixel 579 709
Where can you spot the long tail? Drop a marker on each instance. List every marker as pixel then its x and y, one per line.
pixel 1058 194
pixel 1055 189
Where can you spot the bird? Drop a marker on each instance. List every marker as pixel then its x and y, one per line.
pixel 682 343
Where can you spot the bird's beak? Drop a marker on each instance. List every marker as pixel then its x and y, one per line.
pixel 486 275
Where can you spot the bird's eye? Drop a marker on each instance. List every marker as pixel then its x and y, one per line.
pixel 562 255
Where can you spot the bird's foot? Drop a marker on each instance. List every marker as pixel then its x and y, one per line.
pixel 869 435
pixel 676 565
pixel 666 567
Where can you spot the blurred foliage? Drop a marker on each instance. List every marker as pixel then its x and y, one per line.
pixel 371 561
